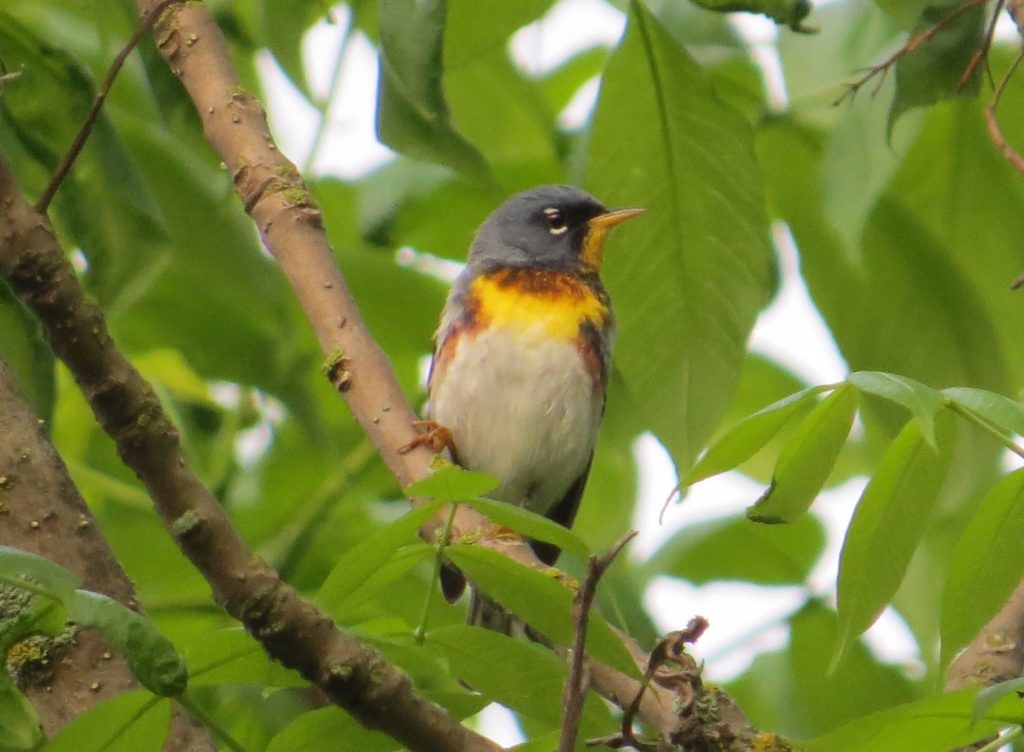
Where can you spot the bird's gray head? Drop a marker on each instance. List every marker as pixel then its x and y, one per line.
pixel 552 226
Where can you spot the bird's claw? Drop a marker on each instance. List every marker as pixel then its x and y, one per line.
pixel 432 435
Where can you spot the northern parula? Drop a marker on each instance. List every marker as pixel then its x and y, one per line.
pixel 520 369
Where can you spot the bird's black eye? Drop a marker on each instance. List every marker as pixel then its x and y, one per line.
pixel 555 220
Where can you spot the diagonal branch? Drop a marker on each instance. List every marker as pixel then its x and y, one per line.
pixel 291 629
pixel 43 513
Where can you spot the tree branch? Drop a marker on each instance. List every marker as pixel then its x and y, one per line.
pixel 291 629
pixel 42 512
pixel 997 653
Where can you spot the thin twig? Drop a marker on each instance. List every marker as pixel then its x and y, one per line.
pixel 421 629
pixel 575 684
pixel 332 90
pixel 994 131
pixel 916 41
pixel 64 166
pixel 981 54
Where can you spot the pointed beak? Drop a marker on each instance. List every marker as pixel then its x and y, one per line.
pixel 597 229
pixel 608 220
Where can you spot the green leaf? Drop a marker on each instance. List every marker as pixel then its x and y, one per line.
pixel 742 441
pixel 324 729
pixel 540 600
pixel 561 84
pixel 484 87
pixel 817 68
pixel 46 590
pixel 887 525
pixel 530 524
pixel 788 12
pixel 373 552
pixel 57 583
pixel 252 339
pixel 151 656
pixel 412 115
pixel 986 565
pixel 933 71
pixel 128 722
pixel 26 353
pixel 383 578
pixel 530 680
pixel 452 483
pixel 911 274
pixel 905 12
pixel 793 690
pixel 19 723
pixel 922 401
pixel 861 685
pixel 859 161
pixel 989 697
pixel 935 724
pixel 1005 413
pixel 963 191
pixel 44 108
pixel 738 549
pixel 807 460
pixel 232 656
pixel 662 139
pixel 473 35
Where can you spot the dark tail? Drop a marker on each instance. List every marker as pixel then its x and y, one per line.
pixel 488 613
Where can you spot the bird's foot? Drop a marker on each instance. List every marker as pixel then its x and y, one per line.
pixel 432 435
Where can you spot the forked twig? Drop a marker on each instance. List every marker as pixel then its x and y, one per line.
pixel 993 121
pixel 64 166
pixel 912 44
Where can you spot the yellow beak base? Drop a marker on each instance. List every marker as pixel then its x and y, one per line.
pixel 597 230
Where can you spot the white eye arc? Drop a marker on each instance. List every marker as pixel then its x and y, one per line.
pixel 556 222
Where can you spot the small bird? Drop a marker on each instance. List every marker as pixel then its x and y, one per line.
pixel 520 369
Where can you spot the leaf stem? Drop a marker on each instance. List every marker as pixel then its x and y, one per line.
pixel 421 628
pixel 986 426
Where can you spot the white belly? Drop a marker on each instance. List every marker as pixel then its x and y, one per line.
pixel 522 409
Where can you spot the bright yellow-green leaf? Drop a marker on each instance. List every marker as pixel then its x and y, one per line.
pixel 887 526
pixel 807 460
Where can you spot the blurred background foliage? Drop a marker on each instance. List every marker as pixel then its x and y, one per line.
pixel 906 218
